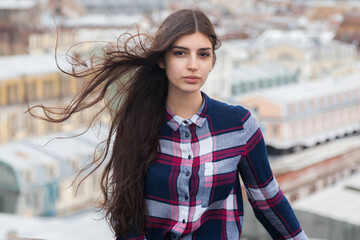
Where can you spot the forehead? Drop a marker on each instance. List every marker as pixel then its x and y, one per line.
pixel 193 41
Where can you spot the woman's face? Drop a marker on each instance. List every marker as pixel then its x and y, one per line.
pixel 188 63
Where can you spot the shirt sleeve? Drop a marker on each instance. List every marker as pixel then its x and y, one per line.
pixel 269 204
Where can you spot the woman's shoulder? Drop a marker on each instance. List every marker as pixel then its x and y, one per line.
pixel 228 112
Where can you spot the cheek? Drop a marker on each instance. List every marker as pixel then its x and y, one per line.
pixel 208 67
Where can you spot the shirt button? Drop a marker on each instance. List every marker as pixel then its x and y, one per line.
pixel 186 135
pixel 185 122
pixel 187 173
pixel 183 221
pixel 186 197
pixel 189 157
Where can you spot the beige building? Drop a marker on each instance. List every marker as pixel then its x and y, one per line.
pixel 312 56
pixel 36 176
pixel 36 80
pixel 307 114
pixel 45 42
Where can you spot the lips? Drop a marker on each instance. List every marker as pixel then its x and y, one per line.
pixel 192 78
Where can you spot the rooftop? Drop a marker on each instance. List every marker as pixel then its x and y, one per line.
pixel 27 65
pixel 341 202
pixel 250 73
pixel 311 156
pixel 311 40
pixel 105 20
pixel 37 154
pixel 86 225
pixel 307 90
pixel 17 4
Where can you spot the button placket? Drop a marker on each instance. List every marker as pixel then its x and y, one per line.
pixel 186 169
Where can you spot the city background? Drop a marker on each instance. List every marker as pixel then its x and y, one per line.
pixel 294 64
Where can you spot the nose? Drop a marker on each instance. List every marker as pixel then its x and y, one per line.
pixel 192 63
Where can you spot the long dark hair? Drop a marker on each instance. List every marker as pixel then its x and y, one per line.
pixel 129 70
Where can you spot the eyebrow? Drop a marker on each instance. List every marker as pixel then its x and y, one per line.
pixel 184 48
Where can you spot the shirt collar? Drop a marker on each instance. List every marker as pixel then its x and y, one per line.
pixel 199 118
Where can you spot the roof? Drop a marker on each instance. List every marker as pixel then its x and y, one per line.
pixel 40 153
pixel 17 4
pixel 311 156
pixel 86 225
pixel 29 65
pixel 5 25
pixel 308 41
pixel 246 73
pixel 340 202
pixel 307 90
pixel 104 20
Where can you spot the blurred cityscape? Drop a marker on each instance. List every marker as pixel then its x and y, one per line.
pixel 294 64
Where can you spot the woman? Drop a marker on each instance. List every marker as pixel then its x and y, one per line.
pixel 176 153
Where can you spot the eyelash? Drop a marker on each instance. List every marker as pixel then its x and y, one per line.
pixel 179 53
pixel 201 54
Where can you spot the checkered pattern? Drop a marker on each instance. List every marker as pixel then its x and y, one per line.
pixel 193 189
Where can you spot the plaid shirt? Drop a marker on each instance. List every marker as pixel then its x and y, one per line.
pixel 193 189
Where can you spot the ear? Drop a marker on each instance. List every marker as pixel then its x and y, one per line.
pixel 161 64
pixel 214 61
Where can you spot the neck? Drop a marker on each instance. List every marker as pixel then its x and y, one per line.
pixel 184 105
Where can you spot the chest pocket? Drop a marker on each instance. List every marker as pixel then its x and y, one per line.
pixel 219 180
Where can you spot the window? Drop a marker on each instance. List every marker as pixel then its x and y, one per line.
pixel 52 170
pixel 65 86
pixel 292 108
pixel 12 94
pixel 31 91
pixel 275 130
pixel 286 57
pixel 313 188
pixel 14 125
pixel 75 163
pixel 29 176
pixel 49 89
pixel 30 125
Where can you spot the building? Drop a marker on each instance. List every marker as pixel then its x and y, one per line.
pixel 33 80
pixel 68 8
pixel 19 12
pixel 234 73
pixel 44 41
pixel 219 82
pixel 85 225
pixel 38 174
pixel 252 77
pixel 12 40
pixel 349 30
pixel 313 56
pixel 304 173
pixel 324 12
pixel 307 114
pixel 314 172
pixel 334 212
pixel 116 6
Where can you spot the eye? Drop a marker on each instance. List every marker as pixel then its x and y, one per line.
pixel 204 54
pixel 179 53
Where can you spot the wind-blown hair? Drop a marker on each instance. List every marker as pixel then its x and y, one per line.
pixel 137 103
